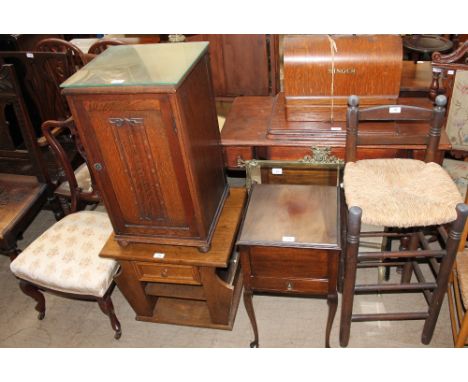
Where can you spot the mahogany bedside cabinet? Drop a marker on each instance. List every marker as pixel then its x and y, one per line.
pixel 290 243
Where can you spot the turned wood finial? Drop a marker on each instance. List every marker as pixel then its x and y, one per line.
pixel 441 100
pixel 434 88
pixel 353 101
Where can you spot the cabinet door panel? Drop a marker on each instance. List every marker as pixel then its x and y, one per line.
pixel 139 146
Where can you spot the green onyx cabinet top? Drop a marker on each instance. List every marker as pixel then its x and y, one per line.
pixel 139 65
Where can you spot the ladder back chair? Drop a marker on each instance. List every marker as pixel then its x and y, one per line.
pixel 410 198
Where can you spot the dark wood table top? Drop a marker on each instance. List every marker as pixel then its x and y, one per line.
pixel 221 244
pixel 17 194
pixel 287 215
pixel 250 117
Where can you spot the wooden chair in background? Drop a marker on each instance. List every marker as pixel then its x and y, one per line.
pixel 411 197
pixel 100 46
pixel 21 196
pixel 76 58
pixel 450 76
pixel 39 77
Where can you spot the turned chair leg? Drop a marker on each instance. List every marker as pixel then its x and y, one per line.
pixel 445 270
pixel 65 206
pixel 407 270
pixel 33 291
pixel 105 303
pixel 56 207
pixel 12 253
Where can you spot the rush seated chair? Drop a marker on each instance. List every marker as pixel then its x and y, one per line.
pixel 412 199
pixel 65 258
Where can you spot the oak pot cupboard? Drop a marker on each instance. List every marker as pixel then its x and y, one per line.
pixel 147 118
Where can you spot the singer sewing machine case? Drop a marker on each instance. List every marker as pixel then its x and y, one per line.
pixel 321 71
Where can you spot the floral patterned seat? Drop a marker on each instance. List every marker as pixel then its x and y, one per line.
pixel 65 258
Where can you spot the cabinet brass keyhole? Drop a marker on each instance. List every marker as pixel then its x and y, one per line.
pixel 290 285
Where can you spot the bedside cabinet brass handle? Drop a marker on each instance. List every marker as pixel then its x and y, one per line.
pixel 290 285
pixel 164 272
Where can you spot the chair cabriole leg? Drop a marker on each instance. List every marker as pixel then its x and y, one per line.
pixel 34 292
pixel 105 303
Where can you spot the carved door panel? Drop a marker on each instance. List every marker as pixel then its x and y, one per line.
pixel 138 164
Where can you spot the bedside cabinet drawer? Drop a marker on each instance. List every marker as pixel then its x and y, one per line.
pixel 289 285
pixel 178 274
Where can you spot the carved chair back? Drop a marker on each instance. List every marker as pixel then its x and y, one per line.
pixel 450 76
pixel 411 115
pixel 76 193
pixel 76 58
pixel 12 104
pixel 40 76
pixel 100 46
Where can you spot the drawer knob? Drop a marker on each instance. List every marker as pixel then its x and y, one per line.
pixel 164 272
pixel 98 166
pixel 290 285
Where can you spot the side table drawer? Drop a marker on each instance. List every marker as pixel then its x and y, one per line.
pixel 179 274
pixel 280 262
pixel 289 285
pixel 234 155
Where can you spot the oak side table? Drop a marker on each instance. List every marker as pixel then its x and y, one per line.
pixel 174 284
pixel 290 243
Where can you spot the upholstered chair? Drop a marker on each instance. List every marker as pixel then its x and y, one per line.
pixel 415 200
pixel 65 258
